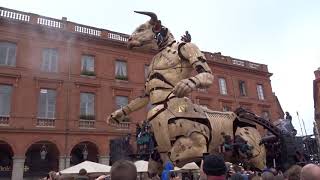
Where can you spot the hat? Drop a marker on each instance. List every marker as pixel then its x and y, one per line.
pixel 214 165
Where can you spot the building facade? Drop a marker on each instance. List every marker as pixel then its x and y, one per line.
pixel 59 81
pixel 316 98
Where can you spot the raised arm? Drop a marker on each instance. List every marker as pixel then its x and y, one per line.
pixel 136 104
pixel 204 77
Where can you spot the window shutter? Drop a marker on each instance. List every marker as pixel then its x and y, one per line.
pixel 8 53
pixel 12 55
pixel 54 60
pixel 5 100
pixel 90 104
pixel 3 55
pixel 45 60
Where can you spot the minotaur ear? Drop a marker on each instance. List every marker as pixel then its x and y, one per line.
pixel 157 27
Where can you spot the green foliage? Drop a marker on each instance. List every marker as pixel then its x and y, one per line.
pixel 87 117
pixel 124 78
pixel 88 73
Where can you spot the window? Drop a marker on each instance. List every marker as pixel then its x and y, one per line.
pixel 260 92
pixel 226 108
pixel 146 71
pixel 47 104
pixel 121 70
pixel 7 54
pixel 223 86
pixel 203 102
pixel 87 65
pixel 121 101
pixel 242 88
pixel 265 115
pixel 5 100
pixel 49 60
pixel 87 106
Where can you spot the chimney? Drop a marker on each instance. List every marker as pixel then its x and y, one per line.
pixel 317 73
pixel 64 18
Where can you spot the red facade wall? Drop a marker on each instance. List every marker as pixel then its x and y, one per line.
pixel 316 97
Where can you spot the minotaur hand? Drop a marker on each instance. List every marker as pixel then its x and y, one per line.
pixel 183 88
pixel 116 117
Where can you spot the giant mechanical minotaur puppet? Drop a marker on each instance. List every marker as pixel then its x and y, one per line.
pixel 183 131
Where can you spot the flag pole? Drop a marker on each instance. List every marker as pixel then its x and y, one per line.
pixel 300 123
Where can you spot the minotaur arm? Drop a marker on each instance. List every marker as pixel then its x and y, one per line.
pixel 204 78
pixel 192 53
pixel 135 104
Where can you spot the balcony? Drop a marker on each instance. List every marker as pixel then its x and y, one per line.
pixel 86 124
pixel 121 126
pixel 43 122
pixel 4 120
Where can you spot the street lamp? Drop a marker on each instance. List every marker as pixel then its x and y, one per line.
pixel 43 152
pixel 85 152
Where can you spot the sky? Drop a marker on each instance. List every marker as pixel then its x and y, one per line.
pixel 284 34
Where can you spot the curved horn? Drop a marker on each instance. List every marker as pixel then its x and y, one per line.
pixel 153 16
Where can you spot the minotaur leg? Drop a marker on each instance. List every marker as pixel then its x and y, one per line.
pixel 253 138
pixel 185 148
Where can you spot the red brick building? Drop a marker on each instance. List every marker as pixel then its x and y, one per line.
pixel 59 80
pixel 316 98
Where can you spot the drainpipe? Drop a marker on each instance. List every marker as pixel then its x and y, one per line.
pixel 234 91
pixel 67 115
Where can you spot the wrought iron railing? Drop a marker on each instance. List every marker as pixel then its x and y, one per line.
pixel 4 120
pixel 121 126
pixel 86 124
pixel 44 122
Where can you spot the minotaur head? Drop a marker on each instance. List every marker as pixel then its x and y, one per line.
pixel 151 34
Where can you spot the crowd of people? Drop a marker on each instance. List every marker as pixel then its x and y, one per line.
pixel 213 167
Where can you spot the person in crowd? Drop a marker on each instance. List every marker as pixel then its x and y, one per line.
pixel 83 175
pixel 279 177
pixel 256 177
pixel 213 168
pixel 237 176
pixel 293 173
pixel 102 177
pixel 52 175
pixel 310 172
pixel 167 168
pixel 173 176
pixel 123 170
pixel 267 175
